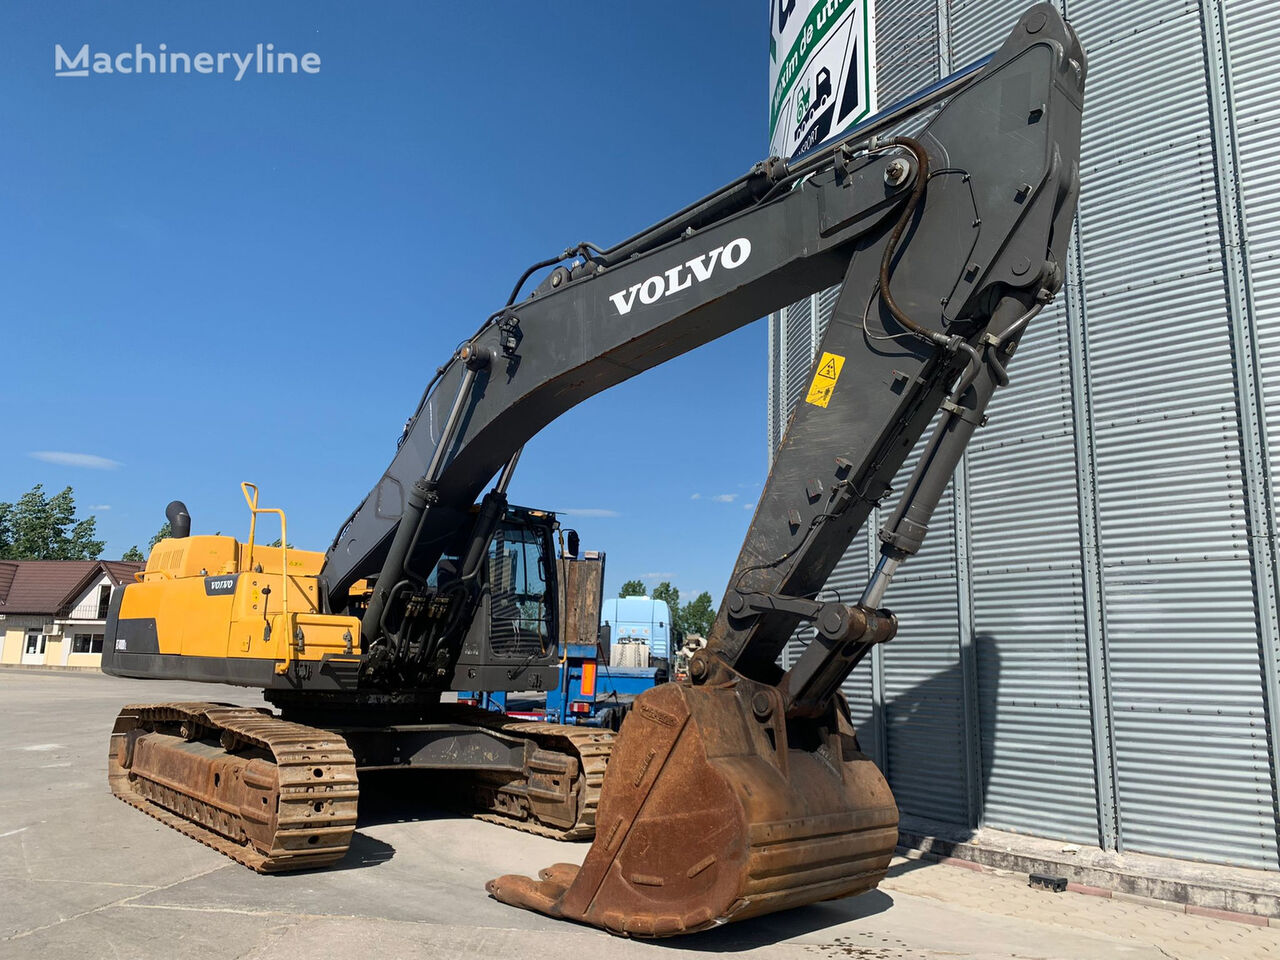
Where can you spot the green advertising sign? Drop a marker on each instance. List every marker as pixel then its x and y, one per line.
pixel 821 70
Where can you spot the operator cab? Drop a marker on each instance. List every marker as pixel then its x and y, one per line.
pixel 512 643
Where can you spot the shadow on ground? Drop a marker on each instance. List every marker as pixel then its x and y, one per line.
pixel 401 796
pixel 908 866
pixel 365 851
pixel 775 927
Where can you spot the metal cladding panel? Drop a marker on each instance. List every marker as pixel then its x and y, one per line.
pixel 1185 685
pixel 1119 16
pixel 1028 610
pixel 1033 704
pixel 1021 502
pixel 798 347
pixel 906 49
pixel 1142 97
pixel 774 419
pixel 1169 489
pixel 1253 32
pixel 826 306
pixel 924 708
pixel 1190 358
pixel 978 27
pixel 1192 765
pixel 1022 470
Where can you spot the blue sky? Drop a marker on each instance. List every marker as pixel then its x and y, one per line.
pixel 208 281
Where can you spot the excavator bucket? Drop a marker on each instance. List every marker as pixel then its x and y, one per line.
pixel 716 807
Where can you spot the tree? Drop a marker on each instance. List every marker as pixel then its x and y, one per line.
pixel 698 615
pixel 166 530
pixel 40 527
pixel 633 588
pixel 665 591
pixel 133 555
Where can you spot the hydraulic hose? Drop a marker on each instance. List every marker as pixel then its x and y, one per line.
pixel 899 228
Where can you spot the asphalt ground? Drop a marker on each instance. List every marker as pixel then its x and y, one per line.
pixel 84 876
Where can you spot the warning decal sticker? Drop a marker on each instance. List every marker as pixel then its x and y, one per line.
pixel 824 380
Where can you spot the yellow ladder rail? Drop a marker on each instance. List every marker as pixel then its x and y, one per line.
pixel 252 500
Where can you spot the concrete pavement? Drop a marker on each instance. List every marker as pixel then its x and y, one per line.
pixel 83 876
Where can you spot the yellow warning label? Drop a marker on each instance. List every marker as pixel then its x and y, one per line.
pixel 824 380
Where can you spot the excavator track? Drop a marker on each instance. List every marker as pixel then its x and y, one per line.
pixel 270 794
pixel 276 795
pixel 585 755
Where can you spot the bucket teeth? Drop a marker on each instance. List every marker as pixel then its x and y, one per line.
pixel 561 874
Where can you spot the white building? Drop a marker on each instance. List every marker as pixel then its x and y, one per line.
pixel 53 612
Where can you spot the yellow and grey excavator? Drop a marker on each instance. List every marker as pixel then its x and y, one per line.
pixel 740 790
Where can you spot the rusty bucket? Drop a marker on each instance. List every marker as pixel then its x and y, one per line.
pixel 717 807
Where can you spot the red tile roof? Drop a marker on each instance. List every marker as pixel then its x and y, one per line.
pixel 50 586
pixel 121 571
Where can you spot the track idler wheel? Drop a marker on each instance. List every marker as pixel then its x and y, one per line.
pixel 716 807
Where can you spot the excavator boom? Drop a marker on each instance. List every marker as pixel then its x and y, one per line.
pixel 744 791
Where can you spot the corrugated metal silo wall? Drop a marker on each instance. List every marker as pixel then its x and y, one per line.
pixel 1026 577
pixel 1088 639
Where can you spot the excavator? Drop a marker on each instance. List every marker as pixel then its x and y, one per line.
pixel 740 790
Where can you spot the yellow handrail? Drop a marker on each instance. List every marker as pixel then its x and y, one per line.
pixel 253 517
pixel 254 510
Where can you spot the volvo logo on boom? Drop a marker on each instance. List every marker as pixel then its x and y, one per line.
pixel 731 256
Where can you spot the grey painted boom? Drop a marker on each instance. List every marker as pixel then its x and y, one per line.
pixel 990 228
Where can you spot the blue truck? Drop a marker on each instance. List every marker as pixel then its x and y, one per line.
pixel 642 619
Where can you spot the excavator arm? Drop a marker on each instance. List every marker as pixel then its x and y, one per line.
pixel 945 243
